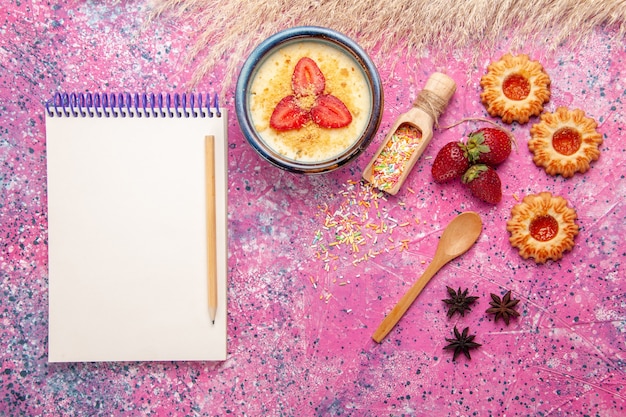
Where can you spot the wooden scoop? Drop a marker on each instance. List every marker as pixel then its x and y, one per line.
pixel 460 234
pixel 428 106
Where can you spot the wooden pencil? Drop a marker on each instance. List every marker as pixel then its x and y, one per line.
pixel 210 221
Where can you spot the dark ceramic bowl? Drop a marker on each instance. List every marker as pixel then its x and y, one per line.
pixel 370 93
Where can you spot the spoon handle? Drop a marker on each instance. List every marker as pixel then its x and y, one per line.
pixel 405 302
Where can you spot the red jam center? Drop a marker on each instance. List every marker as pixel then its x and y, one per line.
pixel 566 141
pixel 516 87
pixel 544 228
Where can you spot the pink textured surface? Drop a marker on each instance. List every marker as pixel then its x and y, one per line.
pixel 301 320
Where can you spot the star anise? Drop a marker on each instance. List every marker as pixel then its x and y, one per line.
pixel 503 307
pixel 462 342
pixel 458 301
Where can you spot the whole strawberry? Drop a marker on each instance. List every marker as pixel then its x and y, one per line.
pixel 488 145
pixel 484 183
pixel 451 162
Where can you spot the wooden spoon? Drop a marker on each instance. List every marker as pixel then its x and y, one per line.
pixel 460 234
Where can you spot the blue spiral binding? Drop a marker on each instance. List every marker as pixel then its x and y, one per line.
pixel 125 104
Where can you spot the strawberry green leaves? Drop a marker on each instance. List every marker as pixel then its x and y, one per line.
pixel 484 183
pixel 474 161
pixel 489 146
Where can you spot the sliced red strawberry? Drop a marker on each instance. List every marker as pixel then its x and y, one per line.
pixel 330 112
pixel 451 162
pixel 484 183
pixel 288 115
pixel 307 79
pixel 489 145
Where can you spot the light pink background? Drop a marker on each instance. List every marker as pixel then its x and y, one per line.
pixel 300 320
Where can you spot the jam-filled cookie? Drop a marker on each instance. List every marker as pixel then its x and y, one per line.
pixel 515 88
pixel 542 227
pixel 565 142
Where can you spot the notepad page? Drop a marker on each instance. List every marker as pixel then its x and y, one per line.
pixel 127 239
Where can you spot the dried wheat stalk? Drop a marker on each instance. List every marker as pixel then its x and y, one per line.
pixel 233 28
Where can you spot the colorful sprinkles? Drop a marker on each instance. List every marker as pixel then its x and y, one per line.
pixel 359 229
pixel 391 161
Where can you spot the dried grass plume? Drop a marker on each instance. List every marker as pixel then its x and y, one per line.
pixel 233 28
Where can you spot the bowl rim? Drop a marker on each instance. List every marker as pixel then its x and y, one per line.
pixel 287 36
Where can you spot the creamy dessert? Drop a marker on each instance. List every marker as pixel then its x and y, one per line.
pixel 310 101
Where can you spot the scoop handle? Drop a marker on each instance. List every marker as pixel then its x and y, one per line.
pixel 407 300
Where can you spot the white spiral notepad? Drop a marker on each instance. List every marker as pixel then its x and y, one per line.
pixel 127 227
